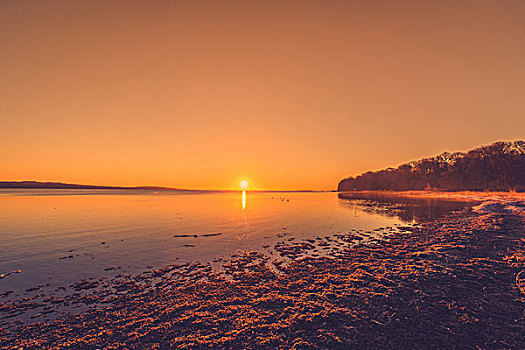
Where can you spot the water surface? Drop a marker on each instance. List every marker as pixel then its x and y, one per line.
pixel 57 237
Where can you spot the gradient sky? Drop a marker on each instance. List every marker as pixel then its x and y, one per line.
pixel 285 94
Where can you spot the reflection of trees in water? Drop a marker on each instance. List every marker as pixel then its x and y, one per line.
pixel 407 209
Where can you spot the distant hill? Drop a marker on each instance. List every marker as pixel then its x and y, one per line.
pixel 60 185
pixel 496 167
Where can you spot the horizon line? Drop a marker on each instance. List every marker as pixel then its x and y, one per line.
pixel 57 184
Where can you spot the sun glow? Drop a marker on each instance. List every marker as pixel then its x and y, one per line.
pixel 244 185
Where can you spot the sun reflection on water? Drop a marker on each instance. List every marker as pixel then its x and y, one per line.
pixel 243 200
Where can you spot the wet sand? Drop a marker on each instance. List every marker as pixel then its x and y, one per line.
pixel 452 282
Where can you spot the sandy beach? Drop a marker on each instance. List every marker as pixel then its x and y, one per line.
pixel 453 282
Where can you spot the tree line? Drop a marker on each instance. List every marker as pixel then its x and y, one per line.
pixel 492 167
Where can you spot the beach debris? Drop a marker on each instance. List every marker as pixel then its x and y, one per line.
pixel 4 275
pixel 196 235
pixel 211 234
pixel 112 268
pixel 520 281
pixel 6 293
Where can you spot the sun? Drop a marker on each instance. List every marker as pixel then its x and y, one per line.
pixel 244 185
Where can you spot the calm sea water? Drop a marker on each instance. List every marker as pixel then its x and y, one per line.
pixel 61 236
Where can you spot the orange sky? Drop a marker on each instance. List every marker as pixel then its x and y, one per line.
pixel 287 94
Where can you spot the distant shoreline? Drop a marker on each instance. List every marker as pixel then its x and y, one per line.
pixel 61 185
pixel 65 186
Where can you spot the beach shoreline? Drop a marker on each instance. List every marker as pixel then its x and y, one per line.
pixel 452 195
pixel 452 282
